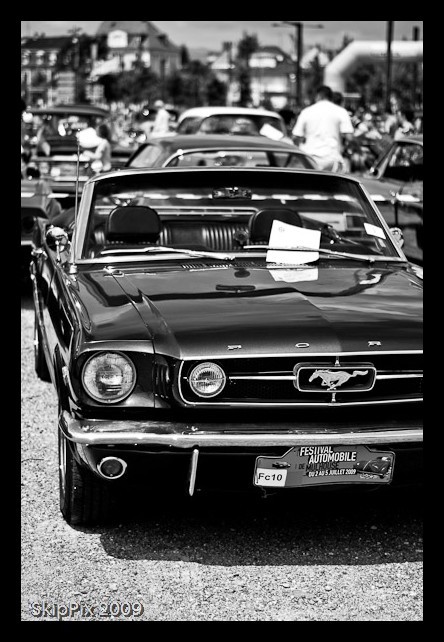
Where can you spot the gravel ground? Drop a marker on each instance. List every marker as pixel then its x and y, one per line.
pixel 314 557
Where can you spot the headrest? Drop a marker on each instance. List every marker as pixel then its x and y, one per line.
pixel 133 224
pixel 261 222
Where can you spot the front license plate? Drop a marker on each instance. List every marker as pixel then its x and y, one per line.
pixel 322 465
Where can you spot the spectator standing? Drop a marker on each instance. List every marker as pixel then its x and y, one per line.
pixel 162 121
pixel 320 130
pixel 405 126
pixel 41 132
pixel 102 154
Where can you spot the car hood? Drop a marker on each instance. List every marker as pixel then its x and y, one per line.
pixel 201 311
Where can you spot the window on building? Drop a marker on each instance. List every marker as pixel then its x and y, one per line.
pixel 39 57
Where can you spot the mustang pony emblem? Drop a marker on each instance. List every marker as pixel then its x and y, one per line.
pixel 334 379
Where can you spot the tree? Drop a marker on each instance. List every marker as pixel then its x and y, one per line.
pixel 245 48
pixel 139 85
pixel 184 56
pixel 314 77
pixel 216 91
pixel 196 84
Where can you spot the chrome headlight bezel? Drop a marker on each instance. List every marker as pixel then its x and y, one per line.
pixel 198 369
pixel 110 355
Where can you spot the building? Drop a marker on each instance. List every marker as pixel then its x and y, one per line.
pixel 273 74
pixel 132 41
pixel 39 77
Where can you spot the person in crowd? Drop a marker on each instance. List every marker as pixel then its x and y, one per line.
pixel 405 126
pixel 162 121
pixel 321 130
pixel 43 147
pixel 102 155
pixel 367 128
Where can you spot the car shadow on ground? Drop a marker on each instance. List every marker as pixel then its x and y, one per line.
pixel 296 528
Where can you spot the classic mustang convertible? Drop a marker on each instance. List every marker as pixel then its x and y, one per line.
pixel 227 328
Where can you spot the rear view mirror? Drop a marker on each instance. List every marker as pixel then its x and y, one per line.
pixel 57 239
pixel 397 236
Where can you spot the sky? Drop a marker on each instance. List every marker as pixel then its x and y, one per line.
pixel 211 34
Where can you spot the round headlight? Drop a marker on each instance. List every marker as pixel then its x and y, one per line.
pixel 109 377
pixel 207 379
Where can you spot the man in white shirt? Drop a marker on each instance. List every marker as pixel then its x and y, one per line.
pixel 320 130
pixel 162 121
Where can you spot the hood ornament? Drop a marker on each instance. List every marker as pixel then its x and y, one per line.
pixel 333 379
pixel 323 377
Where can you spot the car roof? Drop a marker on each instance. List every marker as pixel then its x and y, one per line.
pixel 89 110
pixel 224 141
pixel 203 112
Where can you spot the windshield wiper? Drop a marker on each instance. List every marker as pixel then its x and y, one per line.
pixel 355 257
pixel 159 249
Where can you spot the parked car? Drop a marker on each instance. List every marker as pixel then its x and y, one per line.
pixel 218 151
pixel 233 120
pixel 204 328
pixel 395 182
pixel 37 201
pixel 61 124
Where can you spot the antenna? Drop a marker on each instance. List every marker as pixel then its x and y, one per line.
pixel 73 266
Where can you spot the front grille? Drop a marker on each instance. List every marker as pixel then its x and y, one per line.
pixel 161 380
pixel 271 381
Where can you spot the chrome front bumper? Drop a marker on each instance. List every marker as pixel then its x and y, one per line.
pixel 150 433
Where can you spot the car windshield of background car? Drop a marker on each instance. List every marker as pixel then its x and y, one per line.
pixel 240 158
pixel 147 157
pixel 235 124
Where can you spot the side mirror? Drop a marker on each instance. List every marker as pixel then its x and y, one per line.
pixel 397 236
pixel 57 239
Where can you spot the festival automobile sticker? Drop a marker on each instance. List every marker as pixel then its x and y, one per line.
pixel 315 465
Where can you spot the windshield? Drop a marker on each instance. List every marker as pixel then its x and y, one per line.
pixel 225 211
pixel 147 157
pixel 251 125
pixel 241 158
pixel 60 125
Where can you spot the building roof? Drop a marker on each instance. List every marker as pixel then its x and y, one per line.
pixel 43 42
pixel 157 39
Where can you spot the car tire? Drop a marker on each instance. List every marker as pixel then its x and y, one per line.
pixel 40 365
pixel 84 499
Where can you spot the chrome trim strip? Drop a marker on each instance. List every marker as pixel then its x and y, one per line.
pixel 137 433
pixel 142 345
pixel 262 378
pixel 193 471
pixel 383 224
pixel 400 376
pixel 267 355
pixel 291 377
pixel 327 404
